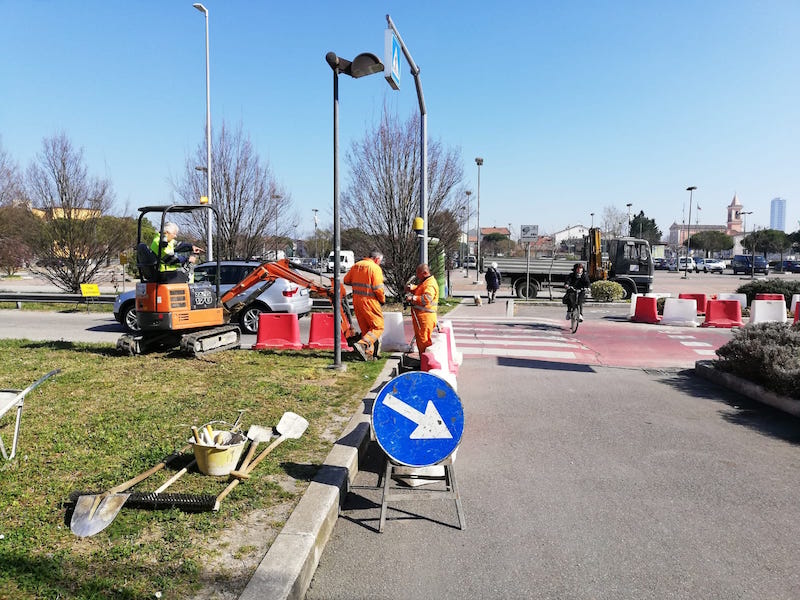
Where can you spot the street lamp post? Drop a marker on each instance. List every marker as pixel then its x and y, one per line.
pixel 466 260
pixel 689 189
pixel 209 249
pixel 592 216
pixel 479 162
pixel 316 239
pixel 629 204
pixel 363 64
pixel 753 252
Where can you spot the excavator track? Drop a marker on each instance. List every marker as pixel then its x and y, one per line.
pixel 213 340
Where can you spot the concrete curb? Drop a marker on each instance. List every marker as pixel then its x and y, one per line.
pixel 287 568
pixel 705 369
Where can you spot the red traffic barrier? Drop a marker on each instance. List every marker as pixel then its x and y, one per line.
pixel 723 313
pixel 646 310
pixel 796 312
pixel 320 335
pixel 770 297
pixel 278 332
pixel 700 298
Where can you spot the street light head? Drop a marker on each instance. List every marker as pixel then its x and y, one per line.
pixel 365 64
pixel 479 161
pixel 204 169
pixel 691 188
pixel 201 8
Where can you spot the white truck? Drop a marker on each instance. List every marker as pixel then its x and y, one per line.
pixel 346 260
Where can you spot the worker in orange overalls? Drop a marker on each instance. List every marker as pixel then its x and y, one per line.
pixel 423 296
pixel 366 279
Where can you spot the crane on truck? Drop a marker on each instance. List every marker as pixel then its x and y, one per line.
pixel 625 260
pixel 196 317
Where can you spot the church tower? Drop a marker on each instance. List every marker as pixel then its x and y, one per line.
pixel 734 216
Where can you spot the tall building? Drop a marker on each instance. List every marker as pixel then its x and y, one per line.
pixel 777 214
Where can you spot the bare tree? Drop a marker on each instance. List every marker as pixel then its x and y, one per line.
pixel 382 197
pixel 256 213
pixel 615 222
pixel 10 179
pixel 72 204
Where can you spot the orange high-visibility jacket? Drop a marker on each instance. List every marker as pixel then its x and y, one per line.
pixel 424 302
pixel 366 279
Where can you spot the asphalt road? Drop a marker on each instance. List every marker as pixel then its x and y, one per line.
pixel 587 482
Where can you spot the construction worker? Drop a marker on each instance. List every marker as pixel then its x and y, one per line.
pixel 170 261
pixel 366 279
pixel 423 296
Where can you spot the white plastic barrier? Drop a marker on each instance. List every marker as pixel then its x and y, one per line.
pixel 742 298
pixel 632 311
pixel 768 310
pixel 795 299
pixel 681 312
pixel 455 357
pixel 394 334
pixel 658 295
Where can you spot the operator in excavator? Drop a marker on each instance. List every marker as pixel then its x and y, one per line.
pixel 366 279
pixel 171 256
pixel 423 296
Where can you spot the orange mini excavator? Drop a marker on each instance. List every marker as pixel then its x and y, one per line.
pixel 194 316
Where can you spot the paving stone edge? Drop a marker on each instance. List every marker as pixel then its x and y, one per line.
pixel 706 369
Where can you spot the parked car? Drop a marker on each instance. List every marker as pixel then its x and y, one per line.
pixel 744 263
pixel 791 266
pixel 282 296
pixel 683 266
pixel 709 265
pixel 661 264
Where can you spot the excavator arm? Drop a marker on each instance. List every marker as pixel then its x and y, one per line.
pixel 265 275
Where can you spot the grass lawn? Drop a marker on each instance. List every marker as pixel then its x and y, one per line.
pixel 107 418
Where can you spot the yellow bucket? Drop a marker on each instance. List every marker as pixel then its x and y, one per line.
pixel 222 457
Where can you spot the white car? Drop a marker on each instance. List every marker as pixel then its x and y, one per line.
pixel 710 265
pixel 282 296
pixel 686 264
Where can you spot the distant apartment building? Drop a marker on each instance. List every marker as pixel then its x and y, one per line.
pixel 777 214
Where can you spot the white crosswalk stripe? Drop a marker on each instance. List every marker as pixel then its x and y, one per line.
pixel 517 341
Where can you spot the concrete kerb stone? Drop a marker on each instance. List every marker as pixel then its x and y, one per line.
pixel 287 568
pixel 705 369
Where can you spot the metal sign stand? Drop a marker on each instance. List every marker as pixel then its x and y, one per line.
pixel 418 421
pixel 398 493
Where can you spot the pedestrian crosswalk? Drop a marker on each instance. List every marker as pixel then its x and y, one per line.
pixel 543 339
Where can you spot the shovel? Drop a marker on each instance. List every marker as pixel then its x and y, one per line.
pixel 290 427
pixel 256 434
pixel 94 512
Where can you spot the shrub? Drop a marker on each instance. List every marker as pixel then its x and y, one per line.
pixel 607 291
pixel 770 286
pixel 767 354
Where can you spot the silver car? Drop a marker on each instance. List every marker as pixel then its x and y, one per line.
pixel 282 296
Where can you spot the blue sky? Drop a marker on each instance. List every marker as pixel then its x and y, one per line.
pixel 574 106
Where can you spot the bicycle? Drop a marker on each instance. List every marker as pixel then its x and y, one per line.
pixel 573 302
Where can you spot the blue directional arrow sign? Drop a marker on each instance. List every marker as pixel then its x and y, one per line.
pixel 418 419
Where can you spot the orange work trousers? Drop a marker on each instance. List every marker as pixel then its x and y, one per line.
pixel 370 320
pixel 423 322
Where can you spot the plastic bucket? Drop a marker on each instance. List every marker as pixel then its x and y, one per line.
pixel 221 458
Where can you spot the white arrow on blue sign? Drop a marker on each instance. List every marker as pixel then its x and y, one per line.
pixel 418 419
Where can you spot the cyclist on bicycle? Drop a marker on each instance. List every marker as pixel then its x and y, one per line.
pixel 578 280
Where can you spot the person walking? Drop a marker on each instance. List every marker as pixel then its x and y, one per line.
pixel 492 278
pixel 366 279
pixel 423 297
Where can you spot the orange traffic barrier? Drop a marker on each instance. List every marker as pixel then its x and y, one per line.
pixel 723 313
pixel 700 298
pixel 770 297
pixel 320 335
pixel 278 332
pixel 646 310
